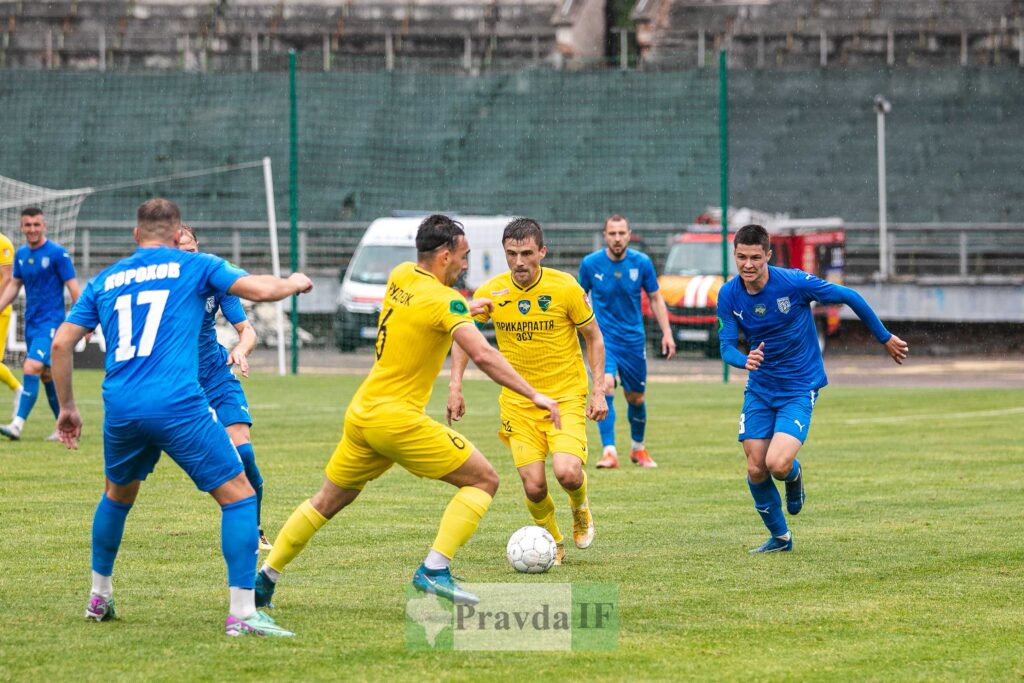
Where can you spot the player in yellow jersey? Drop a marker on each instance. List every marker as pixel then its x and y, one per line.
pixel 386 424
pixel 6 263
pixel 536 313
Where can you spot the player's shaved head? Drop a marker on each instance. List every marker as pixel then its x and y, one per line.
pixel 522 229
pixel 158 221
pixel 753 235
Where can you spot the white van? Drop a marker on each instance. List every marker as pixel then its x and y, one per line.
pixel 390 241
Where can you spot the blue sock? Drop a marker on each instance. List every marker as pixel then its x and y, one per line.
pixel 107 530
pixel 769 505
pixel 606 427
pixel 252 473
pixel 51 396
pixel 794 472
pixel 239 541
pixel 29 392
pixel 637 421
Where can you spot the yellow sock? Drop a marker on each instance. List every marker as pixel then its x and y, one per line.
pixel 8 378
pixel 543 514
pixel 460 519
pixel 297 531
pixel 579 496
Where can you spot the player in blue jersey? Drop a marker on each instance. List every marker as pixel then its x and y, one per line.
pixel 151 306
pixel 222 388
pixel 772 307
pixel 614 277
pixel 45 268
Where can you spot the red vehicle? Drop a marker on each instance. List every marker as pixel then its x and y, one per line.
pixel 693 275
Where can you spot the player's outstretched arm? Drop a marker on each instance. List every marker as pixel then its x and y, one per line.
pixel 269 287
pixel 69 422
pixel 495 366
pixel 660 309
pixel 597 404
pixel 830 293
pixel 898 349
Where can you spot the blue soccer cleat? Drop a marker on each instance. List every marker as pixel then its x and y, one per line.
pixel 264 590
pixel 440 582
pixel 795 494
pixel 775 545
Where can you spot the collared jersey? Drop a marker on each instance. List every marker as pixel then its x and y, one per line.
pixel 213 358
pixel 414 333
pixel 6 256
pixel 151 305
pixel 614 288
pixel 535 327
pixel 43 270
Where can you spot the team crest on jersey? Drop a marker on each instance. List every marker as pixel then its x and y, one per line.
pixel 543 301
pixel 524 306
pixel 618 275
pixel 46 262
pixel 760 310
pixel 783 304
pixel 211 304
pixel 634 273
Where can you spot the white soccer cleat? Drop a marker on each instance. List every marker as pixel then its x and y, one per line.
pixel 17 401
pixel 55 436
pixel 11 431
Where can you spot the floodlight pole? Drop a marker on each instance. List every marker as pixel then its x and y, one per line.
pixel 293 198
pixel 723 152
pixel 882 107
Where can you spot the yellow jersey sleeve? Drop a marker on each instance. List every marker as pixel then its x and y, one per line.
pixel 6 251
pixel 484 316
pixel 451 310
pixel 577 304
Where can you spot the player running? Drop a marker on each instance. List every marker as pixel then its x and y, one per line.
pixel 386 424
pixel 536 313
pixel 45 268
pixel 6 376
pixel 222 388
pixel 151 306
pixel 614 278
pixel 772 307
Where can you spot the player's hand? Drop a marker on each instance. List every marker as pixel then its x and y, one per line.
pixel 550 405
pixel 597 407
pixel 69 427
pixel 236 357
pixel 301 283
pixel 478 306
pixel 668 345
pixel 897 348
pixel 456 405
pixel 755 358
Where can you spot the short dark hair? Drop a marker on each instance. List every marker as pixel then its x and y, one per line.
pixel 615 217
pixel 522 229
pixel 158 219
pixel 437 231
pixel 32 211
pixel 753 234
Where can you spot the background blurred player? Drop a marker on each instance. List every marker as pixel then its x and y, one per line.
pixel 151 306
pixel 614 277
pixel 222 388
pixel 45 268
pixel 537 312
pixel 772 306
pixel 6 376
pixel 386 421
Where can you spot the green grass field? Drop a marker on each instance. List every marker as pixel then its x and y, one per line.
pixel 907 565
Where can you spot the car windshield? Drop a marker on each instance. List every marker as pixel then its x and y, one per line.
pixel 697 258
pixel 373 263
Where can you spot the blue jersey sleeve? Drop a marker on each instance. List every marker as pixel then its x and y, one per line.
pixel 16 271
pixel 231 307
pixel 219 275
pixel 65 268
pixel 85 312
pixel 586 277
pixel 814 288
pixel 728 332
pixel 649 278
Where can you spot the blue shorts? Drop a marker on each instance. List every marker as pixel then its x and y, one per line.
pixel 764 416
pixel 196 441
pixel 628 365
pixel 38 345
pixel 228 400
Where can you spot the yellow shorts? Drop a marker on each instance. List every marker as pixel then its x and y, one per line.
pixel 5 321
pixel 531 436
pixel 375 440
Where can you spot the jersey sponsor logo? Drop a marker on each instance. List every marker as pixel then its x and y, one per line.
pixel 160 271
pixel 618 275
pixel 525 326
pixel 31 261
pixel 524 306
pixel 211 304
pixel 760 310
pixel 586 300
pixel 634 273
pixel 500 292
pixel 543 301
pixel 599 276
pixel 783 304
pixel 738 314
pixel 457 307
pixel 797 423
pixel 502 304
pixel 7 252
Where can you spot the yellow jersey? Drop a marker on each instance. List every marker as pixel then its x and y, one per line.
pixel 535 327
pixel 414 333
pixel 6 257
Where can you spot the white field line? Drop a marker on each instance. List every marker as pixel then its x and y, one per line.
pixel 933 416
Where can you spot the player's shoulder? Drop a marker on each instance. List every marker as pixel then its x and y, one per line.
pixel 638 256
pixel 5 241
pixel 790 276
pixel 498 285
pixel 559 278
pixel 594 259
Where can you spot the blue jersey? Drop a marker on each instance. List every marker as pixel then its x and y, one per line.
pixel 614 288
pixel 151 306
pixel 213 358
pixel 780 316
pixel 43 270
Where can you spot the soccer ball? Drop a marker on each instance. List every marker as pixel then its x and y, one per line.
pixel 531 550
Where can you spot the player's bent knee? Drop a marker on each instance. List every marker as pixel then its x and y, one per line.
pixel 235 489
pixel 634 399
pixel 535 491
pixel 756 473
pixel 239 434
pixel 332 499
